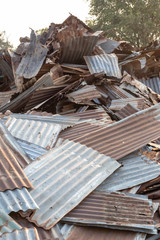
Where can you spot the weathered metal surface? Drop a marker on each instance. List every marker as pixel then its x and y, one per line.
pixel 17 200
pixel 75 48
pixel 18 102
pixel 153 83
pixel 40 133
pixel 63 178
pixel 135 169
pixel 127 135
pixel 84 94
pixel 126 111
pixel 41 95
pixel 116 211
pixel 92 233
pixel 65 229
pixel 64 121
pixel 117 104
pixel 11 174
pixel 107 63
pixel 80 129
pixel 5 97
pixel 7 224
pixel 33 151
pixel 23 234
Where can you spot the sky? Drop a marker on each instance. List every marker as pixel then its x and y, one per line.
pixel 18 16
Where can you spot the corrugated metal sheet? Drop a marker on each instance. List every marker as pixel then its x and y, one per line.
pixel 153 83
pixel 114 210
pixel 80 130
pixel 41 95
pixel 126 111
pixel 18 102
pixel 41 133
pixel 23 234
pixel 65 229
pixel 63 178
pixel 33 151
pixel 117 104
pixel 5 97
pixel 51 234
pixel 76 48
pixel 84 94
pixel 7 224
pixel 64 121
pixel 135 169
pixel 11 174
pixel 16 200
pixel 107 63
pixel 98 114
pixel 92 233
pixel 127 135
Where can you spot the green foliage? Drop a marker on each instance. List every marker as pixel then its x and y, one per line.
pixel 136 21
pixel 4 43
pixel 40 31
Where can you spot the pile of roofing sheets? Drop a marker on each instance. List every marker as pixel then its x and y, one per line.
pixel 79 137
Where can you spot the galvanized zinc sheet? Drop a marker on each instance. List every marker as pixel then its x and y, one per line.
pixel 107 63
pixel 23 234
pixel 76 48
pixel 11 174
pixel 64 121
pixel 127 135
pixel 7 224
pixel 17 200
pixel 135 169
pixel 40 133
pixel 34 151
pixel 92 233
pixel 126 111
pixel 114 210
pixel 63 177
pixel 153 83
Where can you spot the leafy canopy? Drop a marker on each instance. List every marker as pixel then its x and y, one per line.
pixel 4 43
pixel 136 21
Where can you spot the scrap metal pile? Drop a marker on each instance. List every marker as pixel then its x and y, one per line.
pixel 79 137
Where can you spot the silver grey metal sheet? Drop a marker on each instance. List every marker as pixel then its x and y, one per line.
pixel 43 134
pixel 64 121
pixel 107 63
pixel 135 169
pixel 23 234
pixel 63 177
pixel 65 229
pixel 153 83
pixel 32 150
pixel 7 224
pixel 16 200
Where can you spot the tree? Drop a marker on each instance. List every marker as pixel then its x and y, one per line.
pixel 136 21
pixel 4 43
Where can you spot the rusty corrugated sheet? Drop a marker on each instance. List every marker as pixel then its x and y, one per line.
pixel 63 177
pixel 80 130
pixel 114 210
pixel 41 95
pixel 126 111
pixel 98 114
pixel 23 234
pixel 117 104
pixel 11 174
pixel 107 63
pixel 18 102
pixel 84 94
pixel 92 233
pixel 127 135
pixel 5 97
pixel 76 48
pixel 153 83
